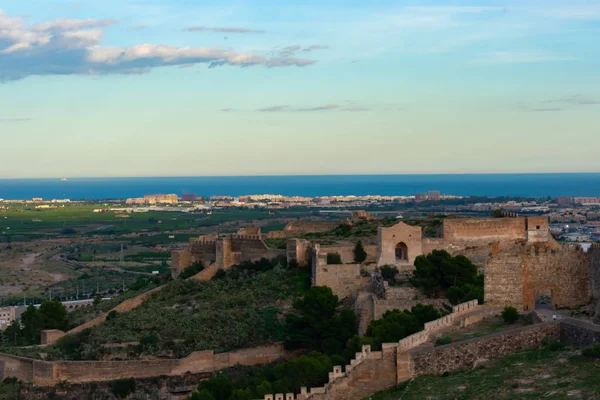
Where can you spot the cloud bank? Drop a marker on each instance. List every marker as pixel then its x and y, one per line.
pixel 72 47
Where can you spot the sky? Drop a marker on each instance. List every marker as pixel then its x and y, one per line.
pixel 199 88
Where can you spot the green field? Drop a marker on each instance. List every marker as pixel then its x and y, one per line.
pixel 19 222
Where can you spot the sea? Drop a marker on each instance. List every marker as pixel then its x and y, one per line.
pixel 491 185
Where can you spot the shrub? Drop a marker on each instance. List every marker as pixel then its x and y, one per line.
pixel 360 255
pixel 443 340
pixel 592 351
pixel 112 315
pixel 191 270
pixel 510 315
pixel 221 274
pixel 389 272
pixel 123 387
pixel 439 270
pixel 497 213
pixel 334 258
pixel 554 345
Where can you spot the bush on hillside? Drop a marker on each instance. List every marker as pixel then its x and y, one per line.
pixel 592 351
pixel 510 315
pixel 396 325
pixel 123 387
pixel 388 273
pixel 360 255
pixel 191 270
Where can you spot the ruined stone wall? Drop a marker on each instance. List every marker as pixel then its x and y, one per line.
pixel 299 227
pixel 595 257
pixel 347 252
pixel 517 276
pixel 578 333
pixel 389 238
pixel 224 257
pixel 45 373
pixel 503 281
pixel 298 250
pixel 484 229
pixel 343 279
pixel 180 260
pixel 18 367
pixel 565 272
pixel 537 229
pixel 462 355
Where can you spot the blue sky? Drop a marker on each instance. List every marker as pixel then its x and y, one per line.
pixel 162 88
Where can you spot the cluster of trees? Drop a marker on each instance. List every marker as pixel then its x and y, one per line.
pixel 26 332
pixel 330 333
pixel 456 277
pixel 396 325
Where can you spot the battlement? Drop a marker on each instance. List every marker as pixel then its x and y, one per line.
pixel 335 375
pixel 205 239
pixel 246 237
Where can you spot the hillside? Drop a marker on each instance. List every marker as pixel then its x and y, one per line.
pixel 535 374
pixel 239 308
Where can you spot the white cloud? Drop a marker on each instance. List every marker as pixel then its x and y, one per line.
pixel 72 47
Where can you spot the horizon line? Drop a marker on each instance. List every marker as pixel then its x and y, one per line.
pixel 302 175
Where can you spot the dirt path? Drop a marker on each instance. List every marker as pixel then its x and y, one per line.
pixel 28 261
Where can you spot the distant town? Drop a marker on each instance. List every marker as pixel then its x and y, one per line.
pixel 572 219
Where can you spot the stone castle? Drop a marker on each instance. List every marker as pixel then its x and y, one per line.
pixel 519 258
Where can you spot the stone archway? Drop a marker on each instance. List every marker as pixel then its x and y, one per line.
pixel 401 252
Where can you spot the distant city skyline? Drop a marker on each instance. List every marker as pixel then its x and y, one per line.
pixel 237 88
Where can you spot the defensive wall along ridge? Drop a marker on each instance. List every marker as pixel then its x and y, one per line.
pixel 50 373
pixel 371 371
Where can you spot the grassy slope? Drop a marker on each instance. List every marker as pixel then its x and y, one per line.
pixel 528 375
pixel 234 312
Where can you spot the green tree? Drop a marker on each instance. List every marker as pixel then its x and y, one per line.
pixel 54 315
pixel 97 300
pixel 510 315
pixel 396 325
pixel 439 271
pixel 32 323
pixel 123 387
pixel 315 324
pixel 13 334
pixel 202 395
pixel 497 213
pixel 334 258
pixel 360 255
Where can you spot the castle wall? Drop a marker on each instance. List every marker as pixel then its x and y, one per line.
pixel 463 355
pixel 566 272
pixel 518 276
pixel 343 279
pixel 537 229
pixel 44 373
pixel 389 238
pixel 595 256
pixel 347 252
pixel 484 229
pixel 299 227
pixel 298 250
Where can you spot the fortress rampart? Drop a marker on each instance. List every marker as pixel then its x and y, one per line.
pixel 49 373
